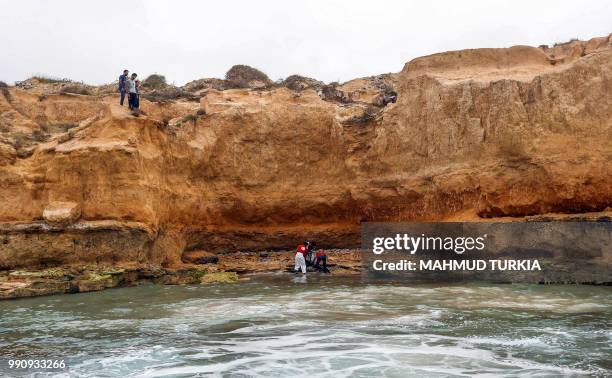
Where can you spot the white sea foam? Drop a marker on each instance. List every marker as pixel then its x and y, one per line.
pixel 328 330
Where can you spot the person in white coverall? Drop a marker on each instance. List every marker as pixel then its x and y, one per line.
pixel 300 261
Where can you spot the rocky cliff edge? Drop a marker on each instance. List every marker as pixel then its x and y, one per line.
pixel 466 135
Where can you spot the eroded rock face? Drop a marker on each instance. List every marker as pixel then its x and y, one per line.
pixel 38 244
pixel 473 134
pixel 62 213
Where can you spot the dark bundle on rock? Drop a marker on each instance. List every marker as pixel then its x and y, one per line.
pixel 331 92
pixel 368 114
pixel 243 76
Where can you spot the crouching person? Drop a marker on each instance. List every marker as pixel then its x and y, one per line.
pixel 300 261
pixel 321 262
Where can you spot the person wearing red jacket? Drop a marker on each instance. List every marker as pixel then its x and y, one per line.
pixel 300 261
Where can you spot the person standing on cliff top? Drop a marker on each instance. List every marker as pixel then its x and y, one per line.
pixel 133 92
pixel 123 85
pixel 137 94
pixel 300 261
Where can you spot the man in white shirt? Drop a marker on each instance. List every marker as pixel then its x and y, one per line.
pixel 133 93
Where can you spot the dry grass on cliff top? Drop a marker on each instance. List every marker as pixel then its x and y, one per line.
pixel 208 83
pixel 155 81
pixel 51 80
pixel 169 93
pixel 4 90
pixel 76 89
pixel 241 75
pixel 23 140
pixel 156 89
pixel 298 83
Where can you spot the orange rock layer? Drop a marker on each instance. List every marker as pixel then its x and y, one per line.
pixel 474 134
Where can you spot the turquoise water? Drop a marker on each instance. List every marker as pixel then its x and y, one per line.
pixel 283 325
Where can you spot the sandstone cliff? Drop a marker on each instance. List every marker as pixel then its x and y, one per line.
pixel 474 134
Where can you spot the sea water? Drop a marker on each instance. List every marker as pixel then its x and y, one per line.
pixel 284 325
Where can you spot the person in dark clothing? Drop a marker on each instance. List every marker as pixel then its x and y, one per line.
pixel 123 86
pixel 310 248
pixel 321 262
pixel 137 103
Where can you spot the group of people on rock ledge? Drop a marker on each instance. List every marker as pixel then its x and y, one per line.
pixel 308 254
pixel 129 85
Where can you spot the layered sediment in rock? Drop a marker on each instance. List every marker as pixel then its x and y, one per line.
pixel 472 135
